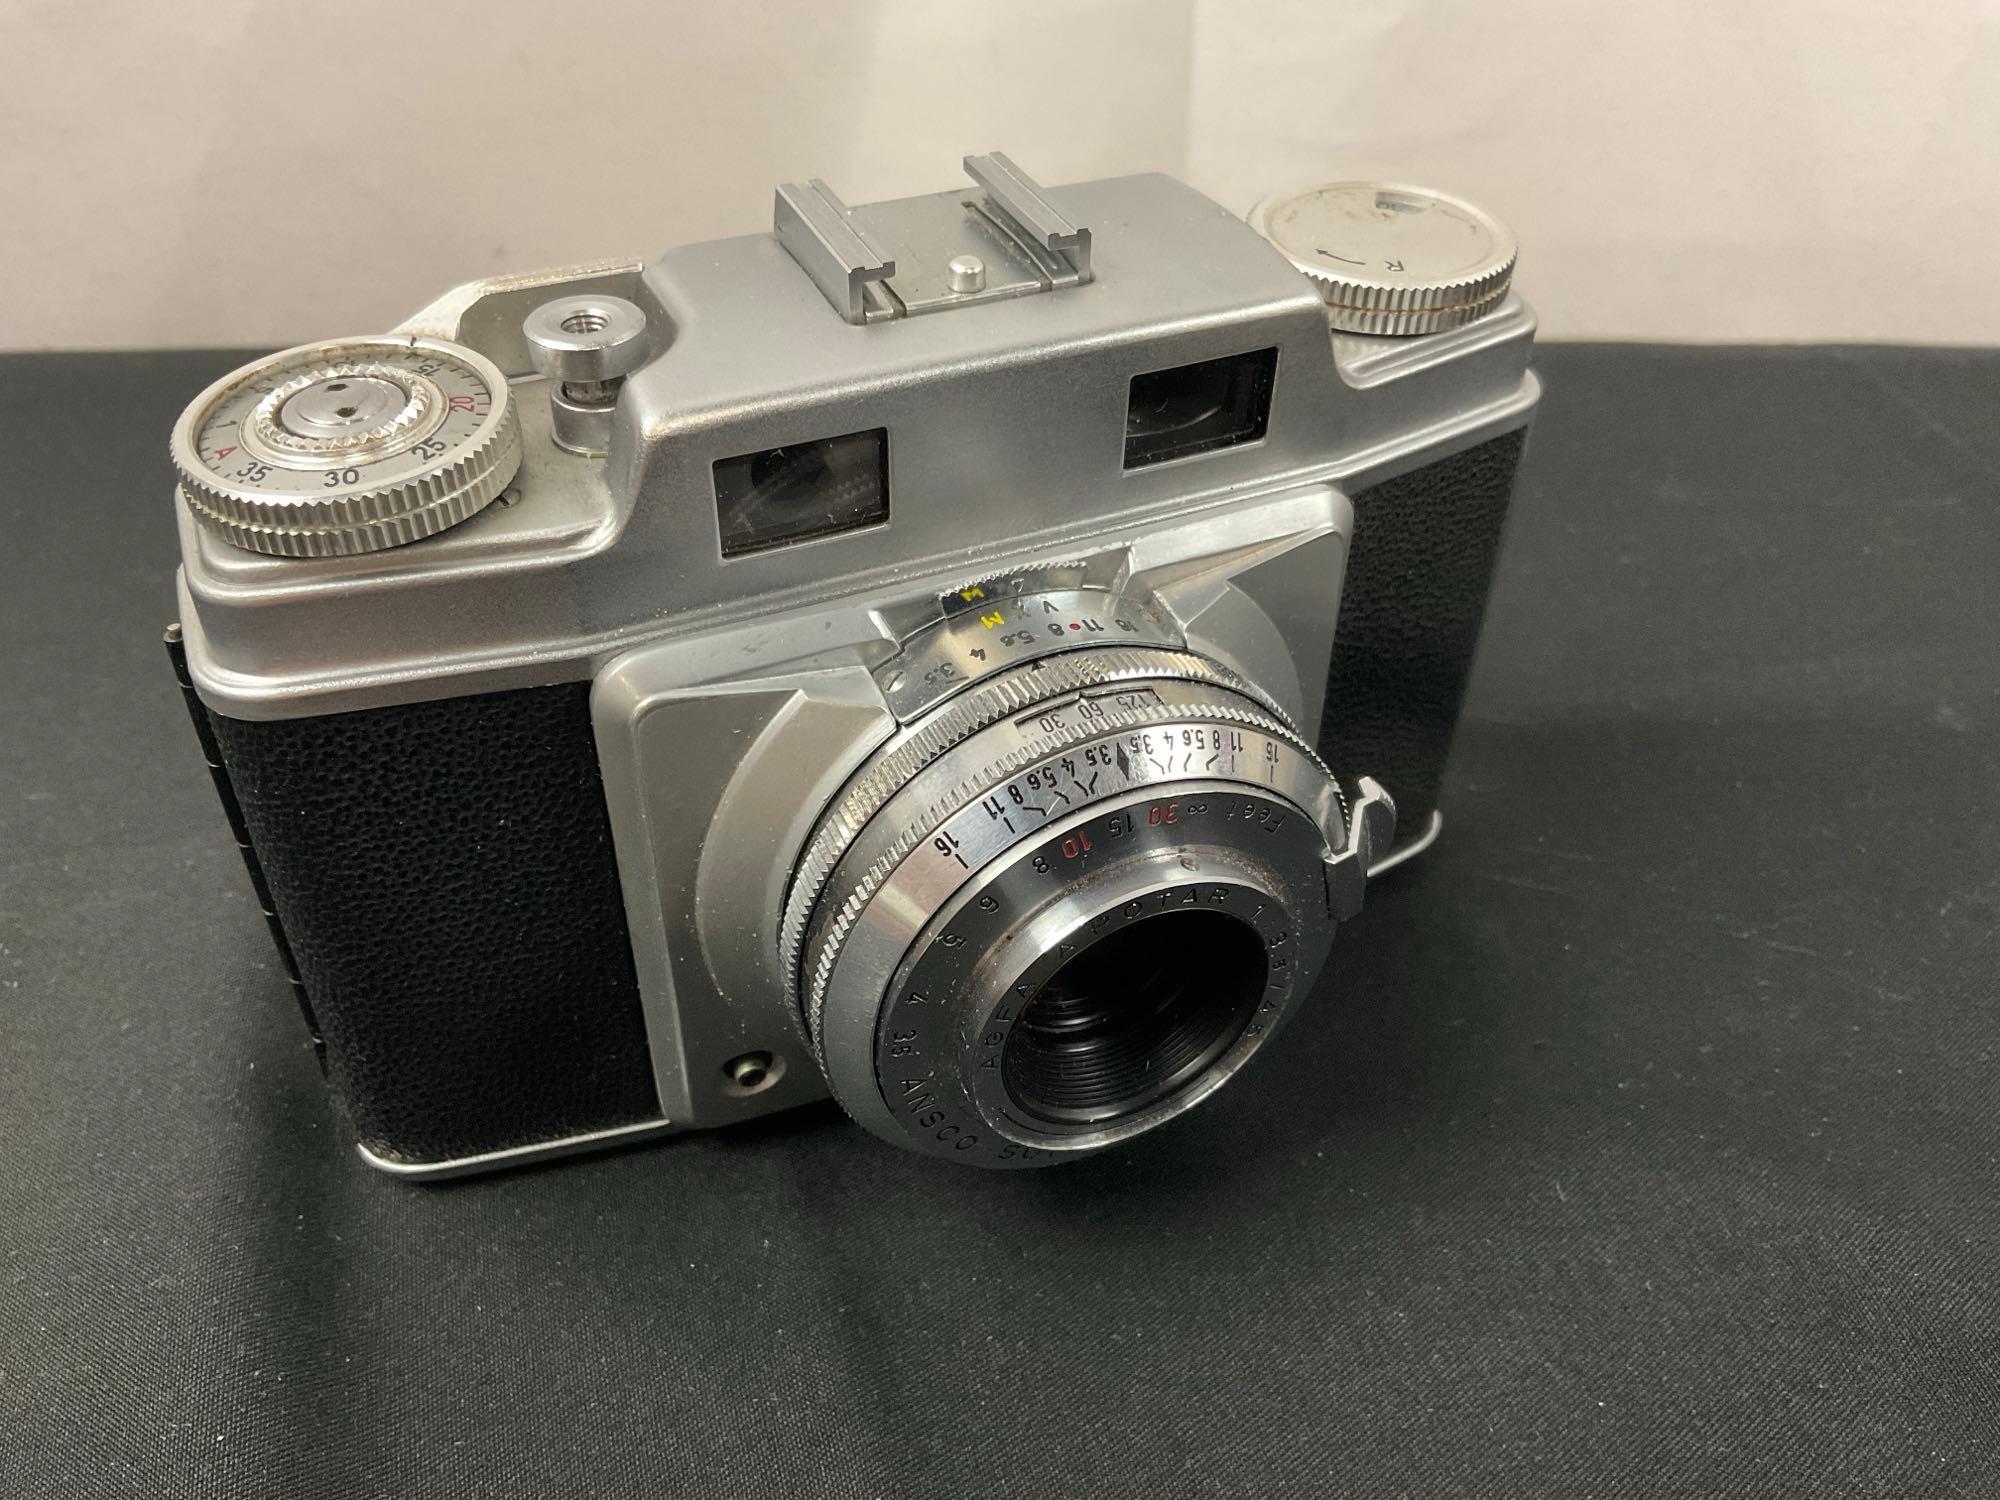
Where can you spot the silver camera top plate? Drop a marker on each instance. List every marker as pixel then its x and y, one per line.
pixel 1004 421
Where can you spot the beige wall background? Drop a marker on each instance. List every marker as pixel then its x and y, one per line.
pixel 234 172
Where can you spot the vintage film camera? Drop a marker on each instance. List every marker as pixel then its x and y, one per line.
pixel 961 654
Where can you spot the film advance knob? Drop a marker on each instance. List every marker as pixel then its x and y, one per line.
pixel 350 446
pixel 1390 258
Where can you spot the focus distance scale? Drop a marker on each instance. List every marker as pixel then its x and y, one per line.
pixel 347 447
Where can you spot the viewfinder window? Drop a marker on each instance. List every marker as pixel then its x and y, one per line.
pixel 1194 409
pixel 802 490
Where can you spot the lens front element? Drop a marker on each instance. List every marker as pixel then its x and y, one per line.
pixel 1066 1001
pixel 1132 1016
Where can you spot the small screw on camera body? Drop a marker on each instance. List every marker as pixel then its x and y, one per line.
pixel 966 273
pixel 751 1073
pixel 586 346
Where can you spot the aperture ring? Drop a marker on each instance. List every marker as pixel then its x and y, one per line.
pixel 988 702
pixel 933 805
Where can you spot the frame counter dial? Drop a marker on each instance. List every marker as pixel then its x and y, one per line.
pixel 347 447
pixel 1389 258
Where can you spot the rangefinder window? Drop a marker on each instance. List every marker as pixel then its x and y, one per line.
pixel 1198 408
pixel 802 490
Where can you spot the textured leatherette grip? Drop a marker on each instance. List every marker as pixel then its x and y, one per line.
pixel 225 792
pixel 443 875
pixel 1410 611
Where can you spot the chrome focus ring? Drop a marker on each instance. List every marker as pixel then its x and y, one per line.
pixel 1022 1024
pixel 946 791
pixel 1004 696
pixel 976 857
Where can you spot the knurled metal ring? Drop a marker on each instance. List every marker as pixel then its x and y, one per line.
pixel 1009 693
pixel 422 410
pixel 391 481
pixel 826 938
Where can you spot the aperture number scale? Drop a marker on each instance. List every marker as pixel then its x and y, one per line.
pixel 1092 772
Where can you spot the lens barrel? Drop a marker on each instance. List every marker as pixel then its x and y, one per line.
pixel 1064 906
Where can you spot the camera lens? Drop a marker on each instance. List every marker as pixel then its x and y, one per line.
pixel 1133 1017
pixel 1066 907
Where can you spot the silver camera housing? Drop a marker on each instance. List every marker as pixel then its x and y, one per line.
pixel 735 698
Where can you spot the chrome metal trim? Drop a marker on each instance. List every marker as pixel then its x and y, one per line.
pixel 875 894
pixel 1411 850
pixel 1046 934
pixel 1021 199
pixel 876 1003
pixel 515 1156
pixel 1009 694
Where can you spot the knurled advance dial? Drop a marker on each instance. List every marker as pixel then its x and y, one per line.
pixel 1389 258
pixel 345 447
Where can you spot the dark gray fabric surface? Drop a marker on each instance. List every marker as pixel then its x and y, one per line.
pixel 1643 1141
